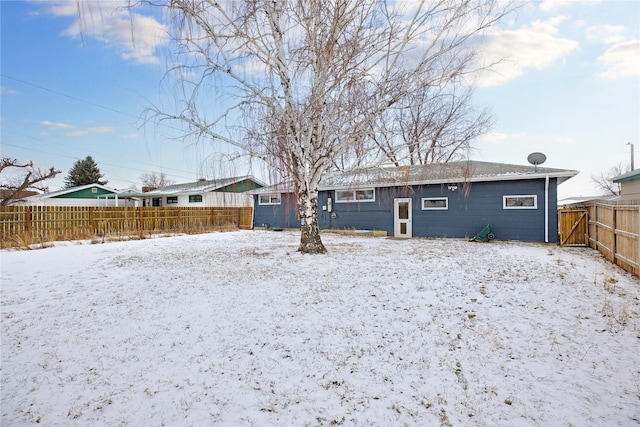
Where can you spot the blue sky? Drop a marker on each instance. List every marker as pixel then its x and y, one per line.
pixel 569 87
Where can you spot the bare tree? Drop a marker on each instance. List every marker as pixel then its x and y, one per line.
pixel 430 125
pixel 605 183
pixel 155 180
pixel 18 177
pixel 312 78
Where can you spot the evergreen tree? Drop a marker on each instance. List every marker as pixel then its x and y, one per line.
pixel 84 172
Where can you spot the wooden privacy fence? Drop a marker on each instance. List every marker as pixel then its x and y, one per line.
pixel 612 229
pixel 49 223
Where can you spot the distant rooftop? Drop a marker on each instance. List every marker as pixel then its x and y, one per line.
pixel 203 185
pixel 634 174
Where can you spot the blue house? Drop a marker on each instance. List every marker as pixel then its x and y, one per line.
pixel 456 200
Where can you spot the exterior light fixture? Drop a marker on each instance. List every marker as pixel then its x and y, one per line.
pixel 452 187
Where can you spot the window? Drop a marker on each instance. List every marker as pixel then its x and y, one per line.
pixel 346 196
pixel 269 199
pixel 94 190
pixel 520 202
pixel 172 200
pixel 195 198
pixel 435 203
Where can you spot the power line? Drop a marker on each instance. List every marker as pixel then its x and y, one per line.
pixel 95 104
pixel 163 168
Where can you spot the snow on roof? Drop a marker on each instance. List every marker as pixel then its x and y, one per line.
pixel 634 174
pixel 584 199
pixel 435 173
pixel 71 190
pixel 201 186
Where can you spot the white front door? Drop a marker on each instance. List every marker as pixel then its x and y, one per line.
pixel 402 218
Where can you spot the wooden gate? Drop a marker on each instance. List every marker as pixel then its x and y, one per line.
pixel 574 227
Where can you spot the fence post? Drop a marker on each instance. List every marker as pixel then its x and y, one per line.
pixel 595 229
pixel 614 245
pixel 28 219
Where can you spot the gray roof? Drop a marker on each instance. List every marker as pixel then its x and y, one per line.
pixel 634 174
pixel 584 199
pixel 435 173
pixel 440 173
pixel 201 186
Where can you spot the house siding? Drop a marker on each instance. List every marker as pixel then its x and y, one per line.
pixel 466 214
pixel 284 215
pixel 630 190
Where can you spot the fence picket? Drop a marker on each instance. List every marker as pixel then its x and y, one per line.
pixel 20 225
pixel 613 230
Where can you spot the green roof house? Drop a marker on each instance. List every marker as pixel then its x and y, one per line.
pixel 223 192
pixel 84 195
pixel 629 185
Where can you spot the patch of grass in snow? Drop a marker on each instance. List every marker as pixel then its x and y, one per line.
pixel 616 319
pixel 444 418
pixel 610 284
pixel 26 241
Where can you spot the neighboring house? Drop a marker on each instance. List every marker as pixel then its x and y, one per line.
pixel 456 199
pixel 16 198
pixel 84 195
pixel 583 200
pixel 629 185
pixel 225 192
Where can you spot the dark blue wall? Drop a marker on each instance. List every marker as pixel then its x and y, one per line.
pixel 284 215
pixel 467 214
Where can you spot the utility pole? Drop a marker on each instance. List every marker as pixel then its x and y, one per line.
pixel 632 167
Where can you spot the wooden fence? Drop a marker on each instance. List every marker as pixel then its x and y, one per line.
pixel 613 229
pixel 21 225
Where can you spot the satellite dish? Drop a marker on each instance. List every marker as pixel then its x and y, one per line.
pixel 536 159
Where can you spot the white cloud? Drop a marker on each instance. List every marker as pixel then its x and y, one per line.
pixel 495 137
pixel 53 125
pixel 89 131
pixel 537 46
pixel 555 5
pixel 622 60
pixel 607 34
pixel 137 36
pixel 565 139
pixel 6 91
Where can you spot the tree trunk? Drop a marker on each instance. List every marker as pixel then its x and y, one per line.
pixel 310 241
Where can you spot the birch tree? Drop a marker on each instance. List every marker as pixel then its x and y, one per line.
pixel 310 78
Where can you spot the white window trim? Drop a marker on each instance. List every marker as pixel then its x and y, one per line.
pixel 446 199
pixel 271 196
pixel 353 199
pixel 192 195
pixel 521 196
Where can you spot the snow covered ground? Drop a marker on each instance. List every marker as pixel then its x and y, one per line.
pixel 238 328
